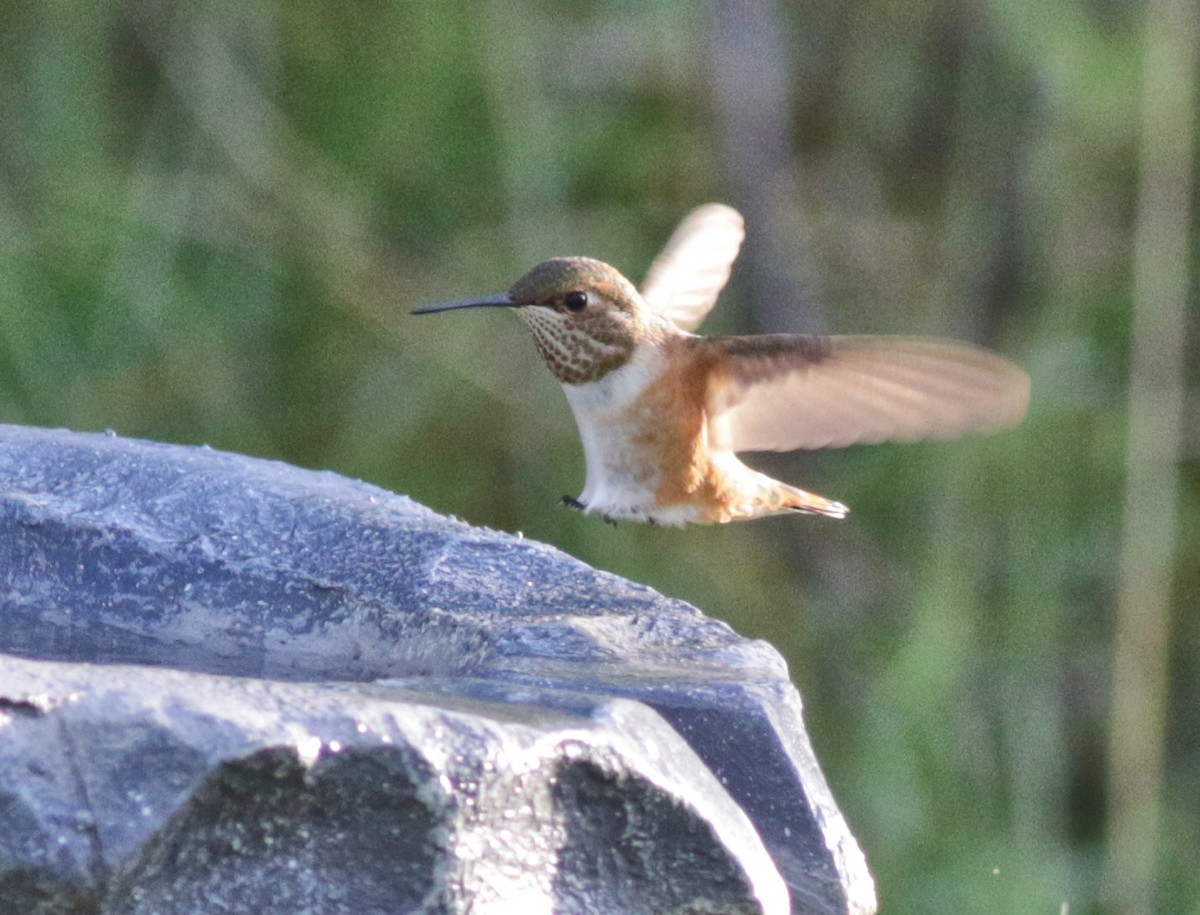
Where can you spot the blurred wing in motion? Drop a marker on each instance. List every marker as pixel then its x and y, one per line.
pixel 684 281
pixel 780 392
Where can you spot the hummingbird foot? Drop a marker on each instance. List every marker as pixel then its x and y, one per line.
pixel 582 506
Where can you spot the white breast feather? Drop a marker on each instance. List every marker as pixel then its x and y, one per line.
pixel 619 484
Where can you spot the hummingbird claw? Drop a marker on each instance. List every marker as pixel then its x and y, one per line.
pixel 582 506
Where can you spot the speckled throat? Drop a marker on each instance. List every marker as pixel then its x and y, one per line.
pixel 574 355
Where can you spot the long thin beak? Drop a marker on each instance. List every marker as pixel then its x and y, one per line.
pixel 491 301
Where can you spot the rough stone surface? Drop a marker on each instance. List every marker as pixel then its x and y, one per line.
pixel 229 684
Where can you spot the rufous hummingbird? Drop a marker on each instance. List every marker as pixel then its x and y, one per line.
pixel 662 412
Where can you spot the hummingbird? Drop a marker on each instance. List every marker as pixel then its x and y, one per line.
pixel 663 413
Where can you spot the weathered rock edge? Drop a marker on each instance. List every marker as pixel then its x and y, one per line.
pixel 234 681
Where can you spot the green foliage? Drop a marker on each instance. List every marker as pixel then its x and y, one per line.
pixel 214 219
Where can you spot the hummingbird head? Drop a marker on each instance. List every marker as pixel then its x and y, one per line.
pixel 586 318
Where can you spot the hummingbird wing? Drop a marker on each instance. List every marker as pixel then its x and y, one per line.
pixel 685 279
pixel 779 392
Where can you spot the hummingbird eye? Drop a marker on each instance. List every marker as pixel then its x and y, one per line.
pixel 575 301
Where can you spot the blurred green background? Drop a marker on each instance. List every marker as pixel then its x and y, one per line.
pixel 214 219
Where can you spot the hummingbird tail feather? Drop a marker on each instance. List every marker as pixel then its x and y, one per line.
pixel 810 503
